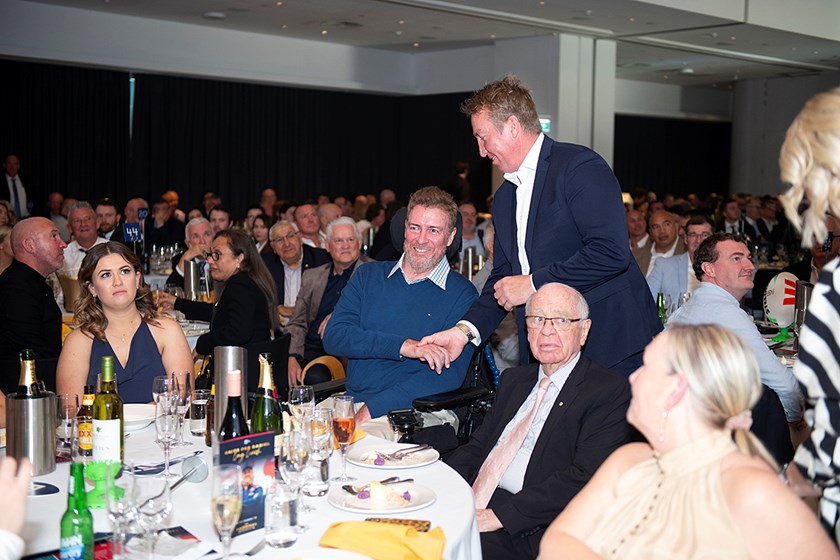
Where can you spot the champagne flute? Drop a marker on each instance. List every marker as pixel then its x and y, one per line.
pixel 301 401
pixel 293 460
pixel 226 502
pixel 152 505
pixel 182 395
pixel 119 499
pixel 166 426
pixel 344 425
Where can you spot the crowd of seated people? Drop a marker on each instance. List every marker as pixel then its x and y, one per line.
pixel 300 266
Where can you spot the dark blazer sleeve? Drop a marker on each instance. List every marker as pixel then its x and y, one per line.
pixel 236 315
pixel 561 466
pixel 194 310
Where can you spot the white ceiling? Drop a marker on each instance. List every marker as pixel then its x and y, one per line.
pixel 655 43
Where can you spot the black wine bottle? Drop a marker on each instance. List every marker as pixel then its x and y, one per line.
pixel 234 424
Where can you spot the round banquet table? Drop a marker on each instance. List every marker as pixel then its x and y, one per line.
pixel 453 510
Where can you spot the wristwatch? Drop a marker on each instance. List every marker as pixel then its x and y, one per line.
pixel 467 332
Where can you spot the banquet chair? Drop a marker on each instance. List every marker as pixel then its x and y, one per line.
pixel 321 367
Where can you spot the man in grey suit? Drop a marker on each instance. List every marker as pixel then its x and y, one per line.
pixel 662 243
pixel 674 276
pixel 319 292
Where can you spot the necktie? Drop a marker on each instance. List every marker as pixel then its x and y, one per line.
pixel 500 458
pixel 16 196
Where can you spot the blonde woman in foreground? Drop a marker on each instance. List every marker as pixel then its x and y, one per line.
pixel 703 487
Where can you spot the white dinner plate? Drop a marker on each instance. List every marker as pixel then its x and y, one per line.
pixel 421 497
pixel 137 416
pixel 363 456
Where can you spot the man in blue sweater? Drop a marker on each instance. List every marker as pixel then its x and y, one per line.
pixel 387 307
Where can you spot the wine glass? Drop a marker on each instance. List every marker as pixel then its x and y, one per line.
pixel 293 460
pixel 182 395
pixel 160 385
pixel 344 425
pixel 152 505
pixel 119 499
pixel 226 502
pixel 166 426
pixel 301 401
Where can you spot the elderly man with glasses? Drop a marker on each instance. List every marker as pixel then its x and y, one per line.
pixel 674 276
pixel 287 261
pixel 551 427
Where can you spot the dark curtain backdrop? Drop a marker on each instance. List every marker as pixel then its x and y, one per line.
pixel 68 126
pixel 672 155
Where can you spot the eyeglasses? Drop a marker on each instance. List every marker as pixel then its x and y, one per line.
pixel 288 237
pixel 216 255
pixel 559 323
pixel 694 234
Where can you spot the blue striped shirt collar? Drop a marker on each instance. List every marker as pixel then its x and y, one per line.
pixel 437 275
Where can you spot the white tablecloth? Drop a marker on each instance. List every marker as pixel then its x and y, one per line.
pixel 454 510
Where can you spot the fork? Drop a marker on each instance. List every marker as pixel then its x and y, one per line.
pixel 397 455
pixel 255 550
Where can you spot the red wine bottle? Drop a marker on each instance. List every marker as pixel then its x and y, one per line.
pixel 234 424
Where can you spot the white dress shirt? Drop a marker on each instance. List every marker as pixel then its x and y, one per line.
pixel 654 254
pixel 523 178
pixel 74 255
pixel 291 283
pixel 515 474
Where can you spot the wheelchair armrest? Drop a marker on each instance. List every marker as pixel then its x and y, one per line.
pixel 328 388
pixel 451 399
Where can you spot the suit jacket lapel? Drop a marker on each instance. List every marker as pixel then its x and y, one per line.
pixel 539 183
pixel 567 397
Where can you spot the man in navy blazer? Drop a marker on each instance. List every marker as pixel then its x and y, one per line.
pixel 289 253
pixel 580 421
pixel 558 217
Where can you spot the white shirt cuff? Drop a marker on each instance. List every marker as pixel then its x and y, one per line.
pixel 477 339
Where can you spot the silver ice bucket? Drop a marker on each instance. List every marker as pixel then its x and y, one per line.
pixel 30 431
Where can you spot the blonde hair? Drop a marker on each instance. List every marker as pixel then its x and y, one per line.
pixel 810 162
pixel 722 375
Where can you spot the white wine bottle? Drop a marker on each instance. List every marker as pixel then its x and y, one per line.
pixel 107 416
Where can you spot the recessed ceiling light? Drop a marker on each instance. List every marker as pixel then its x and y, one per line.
pixel 665 76
pixel 732 38
pixel 279 2
pixel 631 19
pixel 687 71
pixel 793 48
pixel 284 26
pixel 398 33
pixel 402 22
pixel 324 32
pixel 816 52
pixel 214 15
pixel 415 45
pixel 492 35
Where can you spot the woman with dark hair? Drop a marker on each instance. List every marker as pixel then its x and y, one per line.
pixel 117 317
pixel 246 309
pixel 259 232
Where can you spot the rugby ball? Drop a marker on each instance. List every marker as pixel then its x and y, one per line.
pixel 780 299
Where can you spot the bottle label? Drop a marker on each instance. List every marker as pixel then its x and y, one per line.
pixel 87 400
pixel 106 440
pixel 85 435
pixel 72 548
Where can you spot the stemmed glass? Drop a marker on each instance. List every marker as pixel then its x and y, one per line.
pixel 160 385
pixel 344 425
pixel 182 394
pixel 119 499
pixel 152 505
pixel 166 426
pixel 301 401
pixel 293 460
pixel 226 502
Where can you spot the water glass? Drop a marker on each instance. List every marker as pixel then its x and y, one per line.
pixel 182 384
pixel 66 430
pixel 152 505
pixel 281 516
pixel 198 411
pixel 317 475
pixel 119 498
pixel 162 384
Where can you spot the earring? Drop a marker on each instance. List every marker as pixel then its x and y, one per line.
pixel 661 437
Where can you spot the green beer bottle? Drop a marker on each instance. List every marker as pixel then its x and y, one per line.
pixel 77 522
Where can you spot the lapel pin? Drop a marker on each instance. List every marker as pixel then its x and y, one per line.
pixel 561 403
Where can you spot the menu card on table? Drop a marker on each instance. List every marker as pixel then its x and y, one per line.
pixel 255 455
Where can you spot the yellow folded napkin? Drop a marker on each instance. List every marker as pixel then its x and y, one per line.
pixel 383 541
pixel 65 330
pixel 357 435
